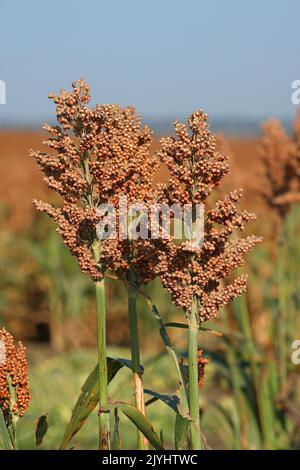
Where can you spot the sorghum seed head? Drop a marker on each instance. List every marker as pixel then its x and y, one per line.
pixel 96 155
pixel 196 169
pixel 14 389
pixel 202 363
pixel 280 156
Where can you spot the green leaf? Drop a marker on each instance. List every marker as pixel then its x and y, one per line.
pixel 30 431
pixel 171 400
pixel 217 421
pixel 89 398
pixel 41 430
pixel 161 436
pixel 116 440
pixel 181 424
pixel 183 406
pixel 181 432
pixel 201 328
pixel 141 422
pixel 5 440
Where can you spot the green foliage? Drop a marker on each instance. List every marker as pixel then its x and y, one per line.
pixel 30 431
pixel 141 423
pixel 89 397
pixel 56 380
pixel 25 433
pixel 244 404
pixel 6 442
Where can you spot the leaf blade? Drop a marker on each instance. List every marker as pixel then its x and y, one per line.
pixel 141 422
pixel 89 397
pixel 5 440
pixel 30 431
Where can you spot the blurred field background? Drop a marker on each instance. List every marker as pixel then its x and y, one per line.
pixel 47 303
pixel 236 60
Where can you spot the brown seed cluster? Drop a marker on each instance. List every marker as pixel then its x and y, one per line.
pixel 281 167
pixel 195 165
pixel 97 154
pixel 14 390
pixel 192 273
pixel 202 363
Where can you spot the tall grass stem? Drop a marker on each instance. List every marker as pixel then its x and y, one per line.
pixel 104 434
pixel 282 347
pixel 135 355
pixel 193 378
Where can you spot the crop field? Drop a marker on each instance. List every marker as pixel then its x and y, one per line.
pixel 48 304
pixel 149 232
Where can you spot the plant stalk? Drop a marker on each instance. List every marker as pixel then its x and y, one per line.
pixel 135 355
pixel 194 379
pixel 104 434
pixel 262 398
pixel 282 346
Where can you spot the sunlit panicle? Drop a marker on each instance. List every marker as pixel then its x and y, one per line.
pixel 280 156
pixel 197 168
pixel 97 155
pixel 14 388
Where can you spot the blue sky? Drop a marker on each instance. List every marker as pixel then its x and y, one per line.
pixel 167 57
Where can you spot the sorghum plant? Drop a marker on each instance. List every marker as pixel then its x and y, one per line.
pixel 192 273
pixel 14 390
pixel 280 188
pixel 280 156
pixel 18 430
pixel 99 155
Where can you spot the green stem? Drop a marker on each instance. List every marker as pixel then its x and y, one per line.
pixel 135 354
pixel 282 314
pixel 262 399
pixel 104 432
pixel 193 379
pixel 104 437
pixel 182 418
pixel 173 355
pixel 240 434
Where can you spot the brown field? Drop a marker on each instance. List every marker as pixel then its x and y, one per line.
pixel 21 181
pixel 47 303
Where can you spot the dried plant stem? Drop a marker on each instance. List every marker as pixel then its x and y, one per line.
pixel 193 378
pixel 104 436
pixel 135 355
